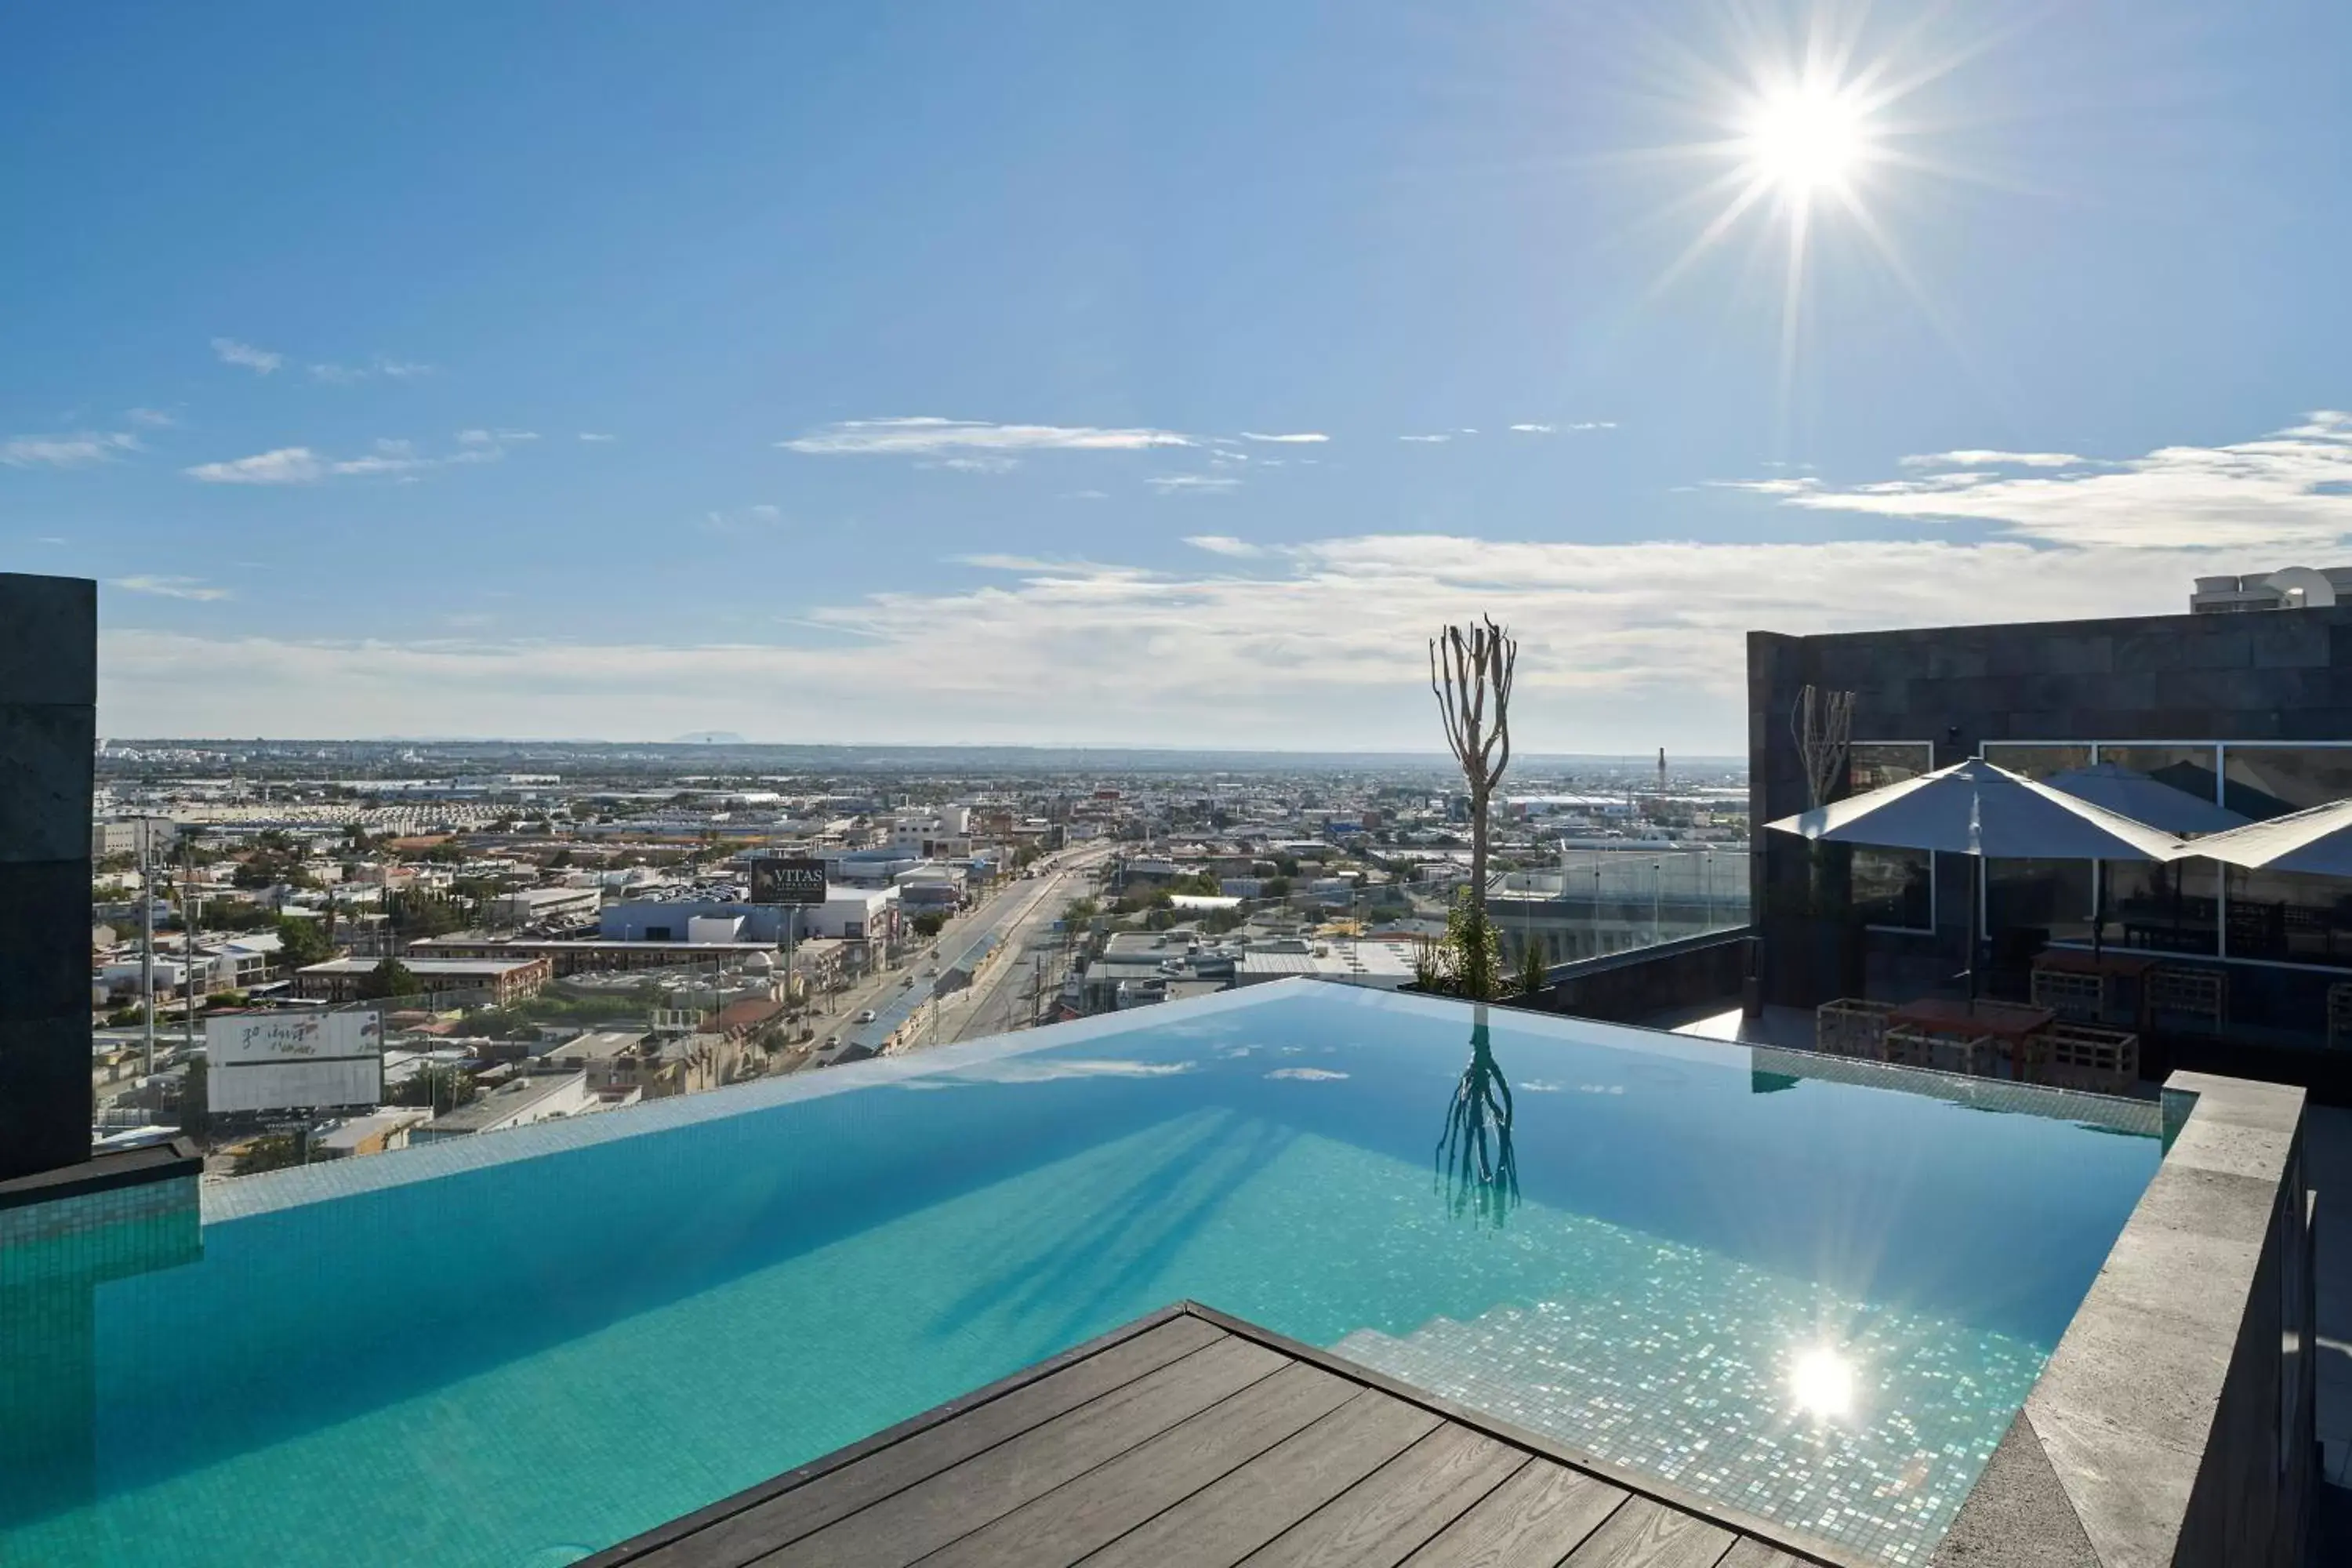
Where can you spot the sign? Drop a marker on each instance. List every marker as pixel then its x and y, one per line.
pixel 293 1061
pixel 783 880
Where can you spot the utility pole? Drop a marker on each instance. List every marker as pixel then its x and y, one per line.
pixel 188 926
pixel 147 934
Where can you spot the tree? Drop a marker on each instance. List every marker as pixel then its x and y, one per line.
pixel 274 1152
pixel 301 943
pixel 389 977
pixel 1535 974
pixel 1467 960
pixel 929 923
pixel 1470 675
pixel 439 1088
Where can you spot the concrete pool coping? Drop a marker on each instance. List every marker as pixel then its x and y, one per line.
pixel 2174 1424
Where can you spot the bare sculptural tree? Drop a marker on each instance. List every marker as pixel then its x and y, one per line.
pixel 1470 672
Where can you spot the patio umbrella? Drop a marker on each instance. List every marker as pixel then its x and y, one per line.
pixel 1976 808
pixel 2143 799
pixel 2318 839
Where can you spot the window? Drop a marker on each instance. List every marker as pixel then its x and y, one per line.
pixel 2289 916
pixel 1894 889
pixel 2051 898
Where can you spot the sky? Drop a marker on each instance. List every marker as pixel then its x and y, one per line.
pixel 1112 374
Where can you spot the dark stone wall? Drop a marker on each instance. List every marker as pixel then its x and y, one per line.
pixel 2269 676
pixel 1629 987
pixel 49 697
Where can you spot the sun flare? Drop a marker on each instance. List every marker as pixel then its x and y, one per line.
pixel 1807 138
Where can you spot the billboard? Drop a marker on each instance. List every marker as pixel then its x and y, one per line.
pixel 293 1061
pixel 787 879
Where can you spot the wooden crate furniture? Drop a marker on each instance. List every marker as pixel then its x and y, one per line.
pixel 2010 1024
pixel 2084 1055
pixel 2339 1012
pixel 2178 992
pixel 2110 986
pixel 2070 995
pixel 1851 1027
pixel 1943 1051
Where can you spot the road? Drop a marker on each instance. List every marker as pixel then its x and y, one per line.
pixel 1000 1002
pixel 1065 872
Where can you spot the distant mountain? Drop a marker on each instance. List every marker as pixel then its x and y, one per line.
pixel 709 738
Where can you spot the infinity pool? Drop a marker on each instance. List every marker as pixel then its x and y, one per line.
pixel 1818 1301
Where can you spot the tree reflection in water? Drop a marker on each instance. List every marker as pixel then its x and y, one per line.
pixel 1476 1170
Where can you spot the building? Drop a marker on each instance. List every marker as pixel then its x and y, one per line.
pixel 130 836
pixel 545 906
pixel 595 955
pixel 499 980
pixel 379 1133
pixel 1378 965
pixel 2253 711
pixel 2289 588
pixel 538 1097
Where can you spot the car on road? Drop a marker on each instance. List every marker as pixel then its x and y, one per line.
pixel 865 1016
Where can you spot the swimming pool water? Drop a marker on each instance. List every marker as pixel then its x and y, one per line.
pixel 1819 1300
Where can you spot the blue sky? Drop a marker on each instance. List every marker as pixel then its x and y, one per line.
pixel 897 372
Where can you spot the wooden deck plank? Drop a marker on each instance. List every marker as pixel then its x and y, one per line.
pixel 952 1502
pixel 1534 1519
pixel 1222 1524
pixel 766 1525
pixel 1646 1533
pixel 1750 1552
pixel 1385 1518
pixel 1100 1506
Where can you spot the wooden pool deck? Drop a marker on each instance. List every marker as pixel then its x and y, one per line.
pixel 1188 1438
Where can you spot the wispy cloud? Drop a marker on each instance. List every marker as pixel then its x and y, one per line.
pixel 1302 437
pixel 402 369
pixel 1534 429
pixel 757 517
pixel 1594 425
pixel 1190 484
pixel 153 418
pixel 170 587
pixel 2289 491
pixel 77 449
pixel 302 466
pixel 262 361
pixel 597 435
pixel 926 435
pixel 1222 544
pixel 986 463
pixel 336 374
pixel 1432 440
pixel 480 438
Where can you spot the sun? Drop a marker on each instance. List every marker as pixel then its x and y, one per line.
pixel 1807 138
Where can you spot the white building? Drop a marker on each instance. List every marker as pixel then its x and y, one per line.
pixel 855 914
pixel 540 906
pixel 540 1097
pixel 1377 964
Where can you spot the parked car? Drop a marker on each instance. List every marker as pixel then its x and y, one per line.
pixel 865 1016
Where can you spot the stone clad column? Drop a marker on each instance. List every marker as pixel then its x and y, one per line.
pixel 48 706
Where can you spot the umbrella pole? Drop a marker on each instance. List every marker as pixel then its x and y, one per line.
pixel 2098 909
pixel 1976 891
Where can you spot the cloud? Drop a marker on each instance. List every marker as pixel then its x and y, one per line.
pixel 926 435
pixel 1088 495
pixel 78 450
pixel 1299 439
pixel 1594 425
pixel 262 361
pixel 987 463
pixel 153 418
pixel 170 587
pixel 2287 493
pixel 1190 484
pixel 1534 429
pixel 480 438
pixel 1222 544
pixel 337 374
pixel 401 369
pixel 1432 440
pixel 756 518
pixel 301 466
pixel 1977 458
pixel 1625 645
pixel 597 435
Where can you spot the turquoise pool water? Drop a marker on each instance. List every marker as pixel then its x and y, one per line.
pixel 1819 1300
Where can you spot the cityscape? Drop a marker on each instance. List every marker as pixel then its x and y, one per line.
pixel 1254 785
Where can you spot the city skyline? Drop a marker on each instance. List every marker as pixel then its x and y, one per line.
pixel 1084 379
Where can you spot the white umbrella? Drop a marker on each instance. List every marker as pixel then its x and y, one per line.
pixel 1976 808
pixel 2130 794
pixel 2318 839
pixel 2144 799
